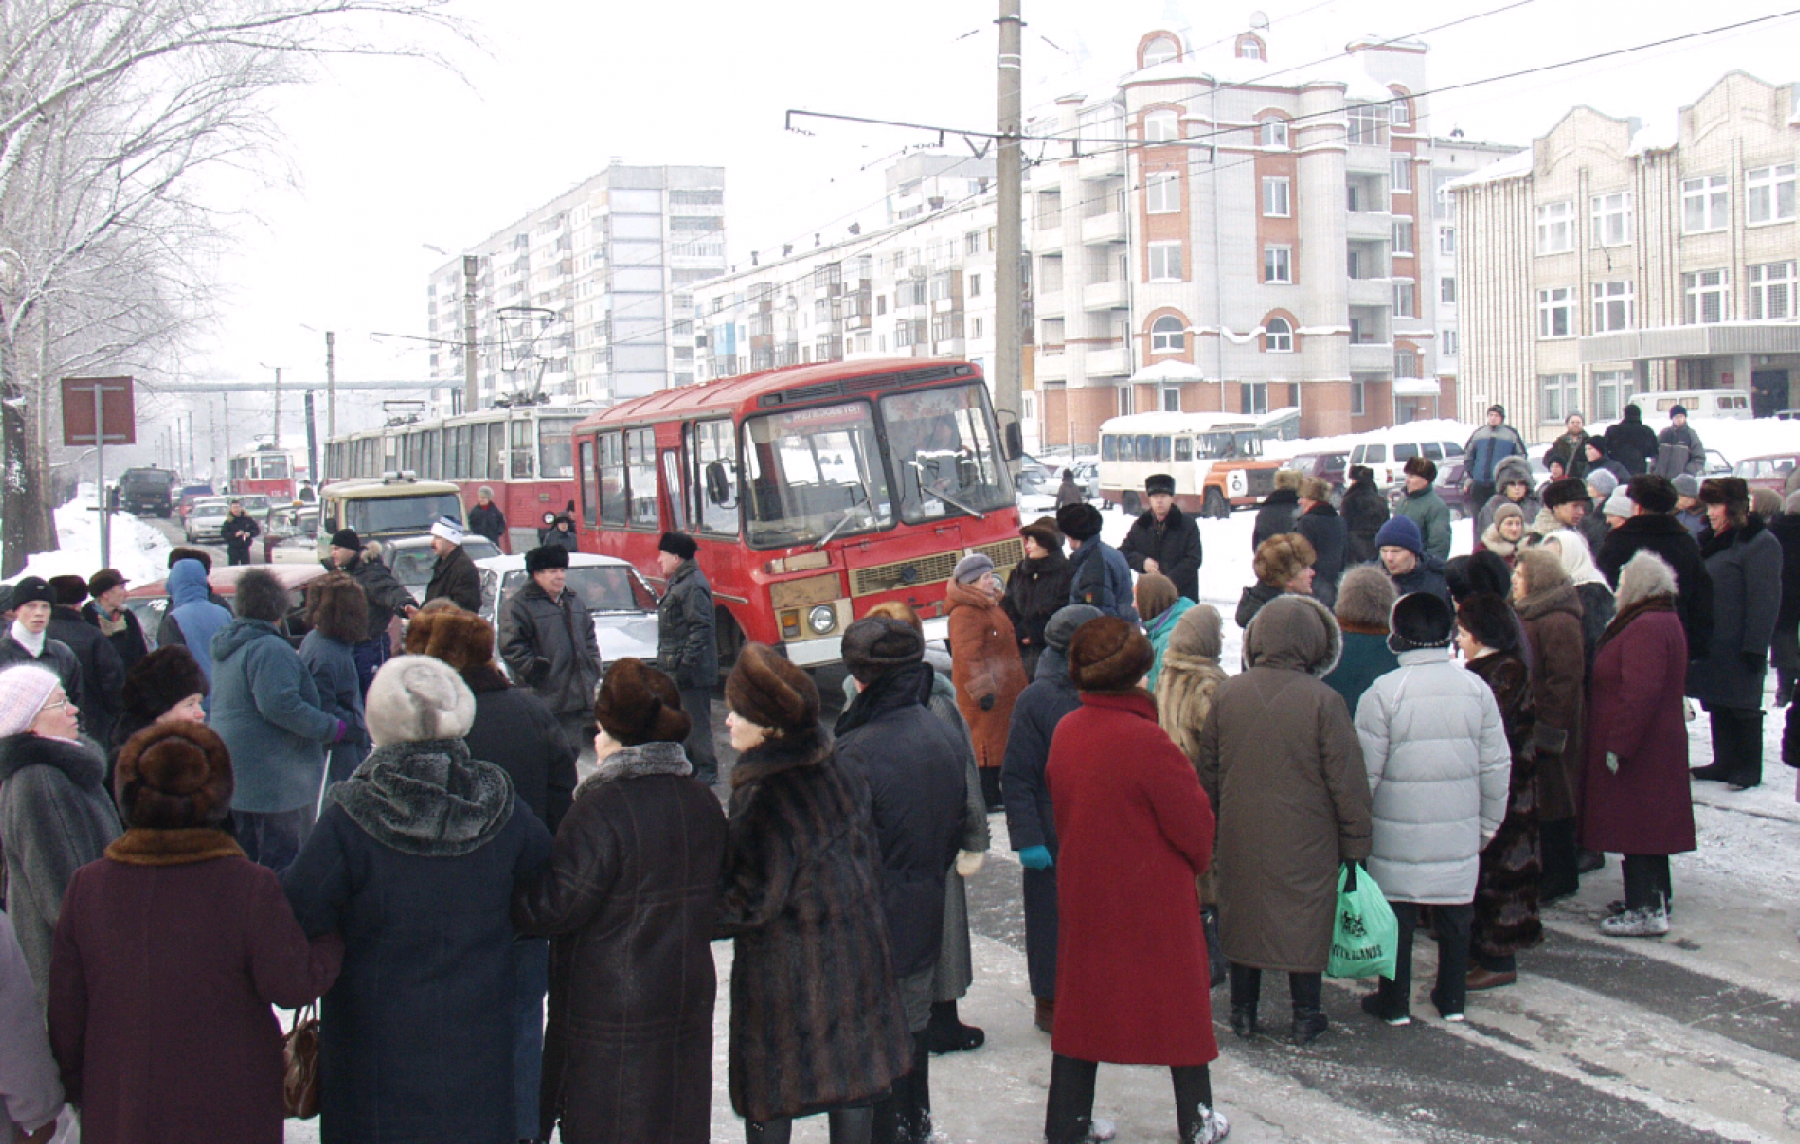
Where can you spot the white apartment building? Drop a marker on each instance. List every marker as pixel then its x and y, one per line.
pixel 588 297
pixel 1609 259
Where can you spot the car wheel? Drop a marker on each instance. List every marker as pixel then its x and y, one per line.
pixel 1215 505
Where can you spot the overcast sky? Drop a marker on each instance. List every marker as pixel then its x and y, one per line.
pixel 387 156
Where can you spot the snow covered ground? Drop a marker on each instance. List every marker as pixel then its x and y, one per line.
pixel 138 550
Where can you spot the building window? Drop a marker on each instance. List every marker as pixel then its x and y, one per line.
pixel 974 285
pixel 1125 409
pixel 1278 264
pixel 1705 297
pixel 1447 240
pixel 1449 343
pixel 1171 400
pixel 1556 312
pixel 1559 396
pixel 1278 337
pixel 1404 304
pixel 1162 193
pixel 1406 365
pixel 1612 389
pixel 1403 236
pixel 1772 291
pixel 1368 125
pixel 1161 126
pixel 1254 397
pixel 1168 335
pixel 1769 194
pixel 1249 47
pixel 1357 399
pixel 1402 183
pixel 1275 134
pixel 1615 306
pixel 974 327
pixel 1275 197
pixel 1400 109
pixel 1160 50
pixel 1555 227
pixel 1705 204
pixel 1165 262
pixel 1447 291
pixel 1611 217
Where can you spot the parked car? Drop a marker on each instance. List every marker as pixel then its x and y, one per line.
pixel 1770 471
pixel 151 601
pixel 191 496
pixel 1728 404
pixel 1087 476
pixel 1328 467
pixel 621 602
pixel 1387 452
pixel 205 518
pixel 411 559
pixel 1451 489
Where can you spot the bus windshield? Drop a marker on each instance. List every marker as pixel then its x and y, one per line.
pixel 944 453
pixel 387 515
pixel 1225 444
pixel 814 473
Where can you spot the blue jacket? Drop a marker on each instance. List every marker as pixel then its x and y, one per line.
pixel 333 668
pixel 194 613
pixel 267 709
pixel 1487 447
pixel 1037 711
pixel 1159 630
pixel 1102 578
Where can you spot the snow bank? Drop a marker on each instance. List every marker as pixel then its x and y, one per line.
pixel 139 551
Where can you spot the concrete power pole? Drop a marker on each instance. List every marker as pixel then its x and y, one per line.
pixel 1008 342
pixel 471 383
pixel 330 389
pixel 278 407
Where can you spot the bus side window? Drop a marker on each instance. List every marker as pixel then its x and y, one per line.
pixel 590 483
pixel 1184 448
pixel 716 464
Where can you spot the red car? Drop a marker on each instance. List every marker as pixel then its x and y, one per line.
pixel 1770 471
pixel 150 601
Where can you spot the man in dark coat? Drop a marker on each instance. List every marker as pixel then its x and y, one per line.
pixel 913 768
pixel 1029 822
pixel 1631 442
pixel 1098 572
pixel 1569 448
pixel 1364 510
pixel 1164 539
pixel 1037 587
pixel 239 529
pixel 1325 531
pixel 1679 450
pixel 1652 527
pixel 1482 454
pixel 454 577
pixel 1786 528
pixel 1599 460
pixel 28 640
pixel 102 675
pixel 485 518
pixel 119 624
pixel 1279 509
pixel 387 598
pixel 547 640
pixel 1408 565
pixel 687 645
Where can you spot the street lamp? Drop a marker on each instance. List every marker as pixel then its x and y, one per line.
pixel 277 370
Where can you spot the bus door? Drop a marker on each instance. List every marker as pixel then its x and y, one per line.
pixel 670 492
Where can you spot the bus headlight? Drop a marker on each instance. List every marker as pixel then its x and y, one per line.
pixel 822 619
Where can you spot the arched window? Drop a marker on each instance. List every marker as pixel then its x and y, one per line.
pixel 1274 133
pixel 1400 110
pixel 1278 336
pixel 1168 335
pixel 1160 50
pixel 1161 126
pixel 1250 47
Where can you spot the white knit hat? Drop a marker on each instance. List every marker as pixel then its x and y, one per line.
pixel 446 529
pixel 417 698
pixel 1618 505
pixel 24 690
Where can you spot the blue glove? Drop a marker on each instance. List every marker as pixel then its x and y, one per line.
pixel 1036 858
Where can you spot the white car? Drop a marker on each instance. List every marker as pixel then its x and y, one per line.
pixel 620 601
pixel 206 519
pixel 412 561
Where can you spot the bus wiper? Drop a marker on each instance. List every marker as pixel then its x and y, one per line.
pixel 843 521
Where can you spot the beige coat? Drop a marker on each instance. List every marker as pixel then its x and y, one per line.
pixel 1280 760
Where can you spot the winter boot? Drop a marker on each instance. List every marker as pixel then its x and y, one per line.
pixel 1044 1016
pixel 1387 1015
pixel 947 1034
pixel 1309 1022
pixel 1209 1127
pixel 1246 990
pixel 1637 923
pixel 1243 1020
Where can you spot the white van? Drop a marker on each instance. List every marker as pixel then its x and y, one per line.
pixel 1386 455
pixel 1729 404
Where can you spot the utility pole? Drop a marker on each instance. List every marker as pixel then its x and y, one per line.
pixel 190 464
pixel 330 389
pixel 471 383
pixel 1008 343
pixel 278 407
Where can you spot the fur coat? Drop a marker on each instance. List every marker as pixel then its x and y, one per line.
pixel 1506 898
pixel 985 667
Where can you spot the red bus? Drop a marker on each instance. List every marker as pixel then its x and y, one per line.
pixel 523 454
pixel 814 492
pixel 267 470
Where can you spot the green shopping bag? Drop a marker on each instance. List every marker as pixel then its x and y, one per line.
pixel 1363 941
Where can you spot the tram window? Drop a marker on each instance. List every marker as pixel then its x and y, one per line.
pixel 434 457
pixel 521 450
pixel 590 483
pixel 712 446
pixel 640 465
pixel 274 466
pixel 612 480
pixel 554 458
pixel 496 444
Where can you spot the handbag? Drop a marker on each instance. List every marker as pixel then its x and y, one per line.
pixel 300 1061
pixel 1215 955
pixel 1365 936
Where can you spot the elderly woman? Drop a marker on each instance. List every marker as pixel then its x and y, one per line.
pixel 1161 608
pixel 196 1056
pixel 415 861
pixel 1280 760
pixel 816 1021
pixel 1190 675
pixel 338 611
pixel 1550 611
pixel 1365 602
pixel 55 814
pixel 1135 829
pixel 1283 566
pixel 1504 536
pixel 985 665
pixel 630 898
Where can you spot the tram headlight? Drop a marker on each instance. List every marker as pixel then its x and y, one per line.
pixel 822 619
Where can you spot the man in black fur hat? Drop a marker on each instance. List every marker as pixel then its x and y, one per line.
pixel 687 645
pixel 547 641
pixel 1164 539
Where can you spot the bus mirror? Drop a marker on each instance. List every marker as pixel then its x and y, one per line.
pixel 1015 439
pixel 718 483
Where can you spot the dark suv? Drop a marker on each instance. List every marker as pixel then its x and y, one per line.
pixel 147 492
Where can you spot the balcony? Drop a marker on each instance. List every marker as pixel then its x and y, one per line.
pixel 1110 161
pixel 1107 363
pixel 1103 228
pixel 1105 296
pixel 1049 366
pixel 1369 226
pixel 1372 357
pixel 1048 302
pixel 1371 292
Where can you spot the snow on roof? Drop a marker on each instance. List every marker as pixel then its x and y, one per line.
pixel 1663 136
pixel 1514 166
pixel 1170 370
pixel 1168 422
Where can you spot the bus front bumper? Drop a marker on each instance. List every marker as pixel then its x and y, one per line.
pixel 817 653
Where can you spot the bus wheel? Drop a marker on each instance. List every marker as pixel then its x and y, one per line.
pixel 1215 505
pixel 1129 502
pixel 729 637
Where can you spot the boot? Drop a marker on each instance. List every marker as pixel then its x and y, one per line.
pixel 915 1116
pixel 1196 1121
pixel 947 1034
pixel 1243 1020
pixel 1246 990
pixel 850 1125
pixel 768 1131
pixel 1045 1015
pixel 1309 1022
pixel 1748 749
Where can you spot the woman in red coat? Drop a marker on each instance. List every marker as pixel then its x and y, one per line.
pixel 1132 984
pixel 984 665
pixel 1639 803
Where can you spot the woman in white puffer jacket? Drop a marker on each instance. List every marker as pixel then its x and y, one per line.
pixel 1438 766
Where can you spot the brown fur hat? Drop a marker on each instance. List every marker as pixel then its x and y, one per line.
pixel 461 639
pixel 1156 594
pixel 767 689
pixel 337 606
pixel 1288 479
pixel 1542 570
pixel 1281 558
pixel 638 704
pixel 1365 598
pixel 1422 467
pixel 1315 489
pixel 1044 531
pixel 875 644
pixel 174 776
pixel 1109 655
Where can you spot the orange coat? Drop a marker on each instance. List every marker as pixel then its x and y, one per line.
pixel 985 661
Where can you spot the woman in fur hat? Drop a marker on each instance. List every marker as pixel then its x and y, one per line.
pixel 338 611
pixel 1037 587
pixel 1283 565
pixel 1506 897
pixel 1161 607
pixel 985 665
pixel 1506 533
pixel 415 861
pixel 1132 978
pixel 1550 611
pixel 816 1022
pixel 629 898
pixel 1364 604
pixel 196 1057
pixel 166 686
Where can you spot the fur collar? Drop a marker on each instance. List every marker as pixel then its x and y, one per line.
pixel 1562 598
pixel 81 761
pixel 1353 628
pixel 809 748
pixel 140 847
pixel 1711 543
pixel 638 762
pixel 430 799
pixel 1631 612
pixel 1147 518
pixel 485 679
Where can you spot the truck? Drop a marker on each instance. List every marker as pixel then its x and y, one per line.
pixel 1215 458
pixel 147 492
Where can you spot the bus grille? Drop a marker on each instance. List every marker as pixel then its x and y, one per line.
pixel 931 569
pixel 1259 482
pixel 1005 553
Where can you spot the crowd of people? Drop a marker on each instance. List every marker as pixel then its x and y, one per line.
pixel 273 800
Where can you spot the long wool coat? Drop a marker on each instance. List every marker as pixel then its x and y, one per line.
pixel 1552 622
pixel 1036 589
pixel 1506 898
pixel 194 1058
pixel 816 1020
pixel 1029 819
pixel 1745 566
pixel 1131 982
pixel 985 662
pixel 1281 762
pixel 630 898
pixel 1647 807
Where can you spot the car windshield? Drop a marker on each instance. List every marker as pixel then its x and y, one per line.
pixel 376 516
pixel 1224 444
pixel 413 563
pixel 814 473
pixel 945 457
pixel 254 504
pixel 601 588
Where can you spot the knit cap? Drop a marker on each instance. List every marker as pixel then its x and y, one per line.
pixel 1400 532
pixel 445 528
pixel 1619 504
pixel 973 567
pixel 1602 482
pixel 1066 621
pixel 24 690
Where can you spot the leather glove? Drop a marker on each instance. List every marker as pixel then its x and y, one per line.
pixel 540 667
pixel 987 702
pixel 1612 762
pixel 1036 858
pixel 968 862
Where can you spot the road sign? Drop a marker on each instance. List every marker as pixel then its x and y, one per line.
pixel 86 400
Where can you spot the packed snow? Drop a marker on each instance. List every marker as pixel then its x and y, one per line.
pixel 138 550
